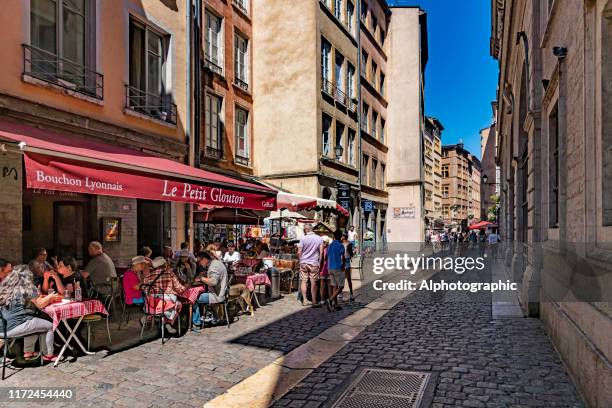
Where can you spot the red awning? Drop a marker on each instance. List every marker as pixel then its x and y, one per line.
pixel 61 162
pixel 295 202
pixel 482 224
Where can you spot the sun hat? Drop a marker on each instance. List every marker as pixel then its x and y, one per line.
pixel 138 259
pixel 158 262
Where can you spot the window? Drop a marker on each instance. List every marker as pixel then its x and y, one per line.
pixel 338 9
pixel 374 174
pixel 382 130
pixel 374 73
pixel 381 87
pixel 364 11
pixel 214 126
pixel 364 169
pixel 327 122
pixel 62 35
pixel 350 81
pixel 445 170
pixel 381 37
pixel 213 47
pixel 553 167
pixel 339 135
pixel 364 63
pixel 350 15
pixel 383 176
pixel 351 147
pixel 241 61
pixel 325 59
pixel 148 58
pixel 374 25
pixel 364 116
pixel 339 71
pixel 374 124
pixel 242 136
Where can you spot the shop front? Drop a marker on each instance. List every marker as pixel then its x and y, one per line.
pixel 65 192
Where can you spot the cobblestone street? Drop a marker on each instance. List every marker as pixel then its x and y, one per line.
pixel 477 361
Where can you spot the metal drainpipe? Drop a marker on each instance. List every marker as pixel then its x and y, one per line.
pixel 188 138
pixel 359 110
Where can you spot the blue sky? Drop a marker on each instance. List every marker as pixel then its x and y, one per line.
pixel 461 76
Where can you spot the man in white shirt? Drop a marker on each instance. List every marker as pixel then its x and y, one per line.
pixel 352 235
pixel 493 240
pixel 231 256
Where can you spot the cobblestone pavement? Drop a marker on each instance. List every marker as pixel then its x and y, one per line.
pixel 479 361
pixel 186 371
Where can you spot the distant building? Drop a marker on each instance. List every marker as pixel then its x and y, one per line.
pixel 490 183
pixel 460 185
pixel 432 166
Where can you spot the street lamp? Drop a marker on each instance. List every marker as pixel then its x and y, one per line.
pixel 485 178
pixel 339 151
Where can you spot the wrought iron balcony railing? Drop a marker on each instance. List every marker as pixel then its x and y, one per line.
pixel 241 84
pixel 352 104
pixel 157 106
pixel 241 160
pixel 214 62
pixel 242 5
pixel 327 86
pixel 340 96
pixel 52 68
pixel 213 152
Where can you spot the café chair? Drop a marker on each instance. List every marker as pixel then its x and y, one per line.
pixel 226 302
pixel 8 342
pixel 126 309
pixel 95 317
pixel 150 291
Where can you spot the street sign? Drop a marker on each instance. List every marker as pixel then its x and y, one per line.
pixel 368 205
pixel 344 190
pixel 345 203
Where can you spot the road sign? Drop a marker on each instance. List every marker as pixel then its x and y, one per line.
pixel 368 205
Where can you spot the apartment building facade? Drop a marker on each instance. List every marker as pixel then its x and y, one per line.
pixel 553 130
pixel 489 176
pixel 89 78
pixel 306 90
pixel 374 17
pixel 407 51
pixel 460 185
pixel 226 135
pixel 432 167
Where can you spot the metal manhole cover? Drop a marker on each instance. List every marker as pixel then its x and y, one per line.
pixel 384 388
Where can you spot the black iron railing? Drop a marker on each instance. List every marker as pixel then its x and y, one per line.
pixel 241 160
pixel 52 68
pixel 214 62
pixel 241 84
pixel 157 106
pixel 339 95
pixel 327 86
pixel 213 152
pixel 242 5
pixel 352 104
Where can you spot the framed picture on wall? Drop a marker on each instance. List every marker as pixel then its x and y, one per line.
pixel 111 229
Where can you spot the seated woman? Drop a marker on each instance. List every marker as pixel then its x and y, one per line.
pixel 65 278
pixel 39 265
pixel 18 299
pixel 132 279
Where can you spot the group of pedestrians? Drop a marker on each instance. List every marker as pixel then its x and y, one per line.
pixel 325 263
pixel 452 240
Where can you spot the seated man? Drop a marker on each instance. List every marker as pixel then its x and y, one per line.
pixel 100 269
pixel 163 283
pixel 232 256
pixel 216 280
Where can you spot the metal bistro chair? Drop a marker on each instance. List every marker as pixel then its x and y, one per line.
pixel 92 318
pixel 225 303
pixel 8 342
pixel 150 291
pixel 126 309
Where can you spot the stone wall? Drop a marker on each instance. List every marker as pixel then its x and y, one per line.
pixel 10 205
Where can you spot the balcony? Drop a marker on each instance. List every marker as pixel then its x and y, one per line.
pixel 241 5
pixel 51 68
pixel 327 86
pixel 159 107
pixel 242 160
pixel 213 152
pixel 241 84
pixel 352 105
pixel 214 63
pixel 339 96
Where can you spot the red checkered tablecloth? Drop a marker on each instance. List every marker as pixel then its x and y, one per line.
pixel 61 311
pixel 192 294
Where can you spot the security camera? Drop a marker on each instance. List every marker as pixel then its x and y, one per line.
pixel 560 52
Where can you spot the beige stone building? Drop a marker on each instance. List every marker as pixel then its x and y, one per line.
pixel 407 51
pixel 305 97
pixel 374 22
pixel 432 167
pixel 554 137
pixel 460 185
pixel 90 72
pixel 489 176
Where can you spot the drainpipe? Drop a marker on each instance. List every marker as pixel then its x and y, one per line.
pixel 197 92
pixel 359 110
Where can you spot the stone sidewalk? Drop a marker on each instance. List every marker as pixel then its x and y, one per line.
pixel 475 360
pixel 186 371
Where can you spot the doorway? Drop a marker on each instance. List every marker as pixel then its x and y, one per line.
pixel 153 225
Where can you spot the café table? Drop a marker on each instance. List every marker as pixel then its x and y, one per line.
pixel 190 296
pixel 71 309
pixel 252 280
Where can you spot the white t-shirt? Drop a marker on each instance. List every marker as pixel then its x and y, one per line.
pixel 493 238
pixel 235 257
pixel 351 235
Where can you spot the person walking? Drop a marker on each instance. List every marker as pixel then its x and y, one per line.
pixel 348 255
pixel 335 261
pixel 310 249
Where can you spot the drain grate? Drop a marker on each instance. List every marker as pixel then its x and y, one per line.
pixel 384 388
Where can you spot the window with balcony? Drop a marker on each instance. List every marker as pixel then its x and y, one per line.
pixel 243 5
pixel 350 81
pixel 350 17
pixel 364 63
pixel 364 11
pixel 374 124
pixel 327 124
pixel 339 78
pixel 213 43
pixel 364 169
pixel 213 126
pixel 374 174
pixel 241 61
pixel 242 136
pixel 382 129
pixel 326 74
pixel 365 113
pixel 351 147
pixel 338 6
pixel 147 91
pixel 62 45
pixel 339 137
